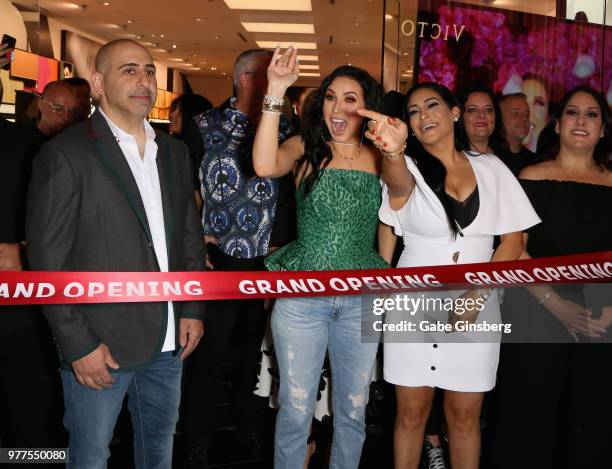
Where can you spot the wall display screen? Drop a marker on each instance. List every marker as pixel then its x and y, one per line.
pixel 25 65
pixel 29 66
pixel 460 45
pixel 47 72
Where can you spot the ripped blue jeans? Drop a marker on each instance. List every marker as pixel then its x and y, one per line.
pixel 303 329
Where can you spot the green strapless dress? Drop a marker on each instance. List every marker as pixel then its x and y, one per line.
pixel 337 225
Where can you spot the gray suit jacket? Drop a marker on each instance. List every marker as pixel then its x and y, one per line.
pixel 85 213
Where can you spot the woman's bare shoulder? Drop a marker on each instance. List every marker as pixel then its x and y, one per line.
pixel 538 171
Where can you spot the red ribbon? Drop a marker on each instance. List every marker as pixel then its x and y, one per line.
pixel 22 288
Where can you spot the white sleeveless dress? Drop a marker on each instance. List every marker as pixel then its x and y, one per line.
pixel 458 361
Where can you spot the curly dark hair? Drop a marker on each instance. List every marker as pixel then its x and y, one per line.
pixel 315 134
pixel 549 142
pixel 431 168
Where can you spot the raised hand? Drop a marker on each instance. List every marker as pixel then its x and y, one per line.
pixel 387 133
pixel 283 71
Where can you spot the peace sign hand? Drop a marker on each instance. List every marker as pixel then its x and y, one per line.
pixel 283 70
pixel 387 133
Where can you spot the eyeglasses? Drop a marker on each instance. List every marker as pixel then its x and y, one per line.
pixel 59 108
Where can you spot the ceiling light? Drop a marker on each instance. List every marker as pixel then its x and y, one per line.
pixel 174 46
pixel 203 61
pixel 223 73
pixel 130 21
pixel 353 42
pixel 153 35
pixel 309 67
pixel 287 5
pixel 295 28
pixel 356 23
pixel 284 45
pixel 217 37
pixel 308 58
pixel 106 4
pixel 197 18
pixel 213 68
pixel 310 74
pixel 140 36
pixel 161 35
pixel 347 54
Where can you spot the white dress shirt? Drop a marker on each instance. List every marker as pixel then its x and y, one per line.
pixel 147 178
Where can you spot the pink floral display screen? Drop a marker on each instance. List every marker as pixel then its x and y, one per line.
pixel 508 50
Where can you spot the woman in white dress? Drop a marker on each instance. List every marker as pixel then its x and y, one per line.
pixel 447 203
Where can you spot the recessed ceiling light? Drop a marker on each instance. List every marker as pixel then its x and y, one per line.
pixel 217 37
pixel 161 35
pixel 174 46
pixel 347 54
pixel 153 35
pixel 309 67
pixel 353 42
pixel 287 5
pixel 310 74
pixel 130 21
pixel 223 73
pixel 308 58
pixel 203 61
pixel 197 18
pixel 284 45
pixel 106 4
pixel 296 28
pixel 356 23
pixel 213 68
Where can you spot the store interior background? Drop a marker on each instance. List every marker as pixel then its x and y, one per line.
pixel 194 42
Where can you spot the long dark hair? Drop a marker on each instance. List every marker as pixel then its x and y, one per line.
pixel 315 133
pixel 549 142
pixel 497 139
pixel 431 168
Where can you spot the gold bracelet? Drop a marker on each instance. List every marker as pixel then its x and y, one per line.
pixel 267 111
pixel 393 155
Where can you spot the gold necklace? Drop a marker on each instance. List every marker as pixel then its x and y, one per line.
pixel 349 158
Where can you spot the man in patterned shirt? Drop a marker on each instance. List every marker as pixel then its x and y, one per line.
pixel 239 213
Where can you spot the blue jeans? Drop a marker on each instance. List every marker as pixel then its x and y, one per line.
pixel 303 329
pixel 153 401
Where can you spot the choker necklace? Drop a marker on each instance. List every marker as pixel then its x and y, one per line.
pixel 345 143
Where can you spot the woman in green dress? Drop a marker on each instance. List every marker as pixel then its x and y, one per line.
pixel 338 197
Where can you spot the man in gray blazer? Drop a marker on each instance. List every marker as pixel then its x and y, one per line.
pixel 110 194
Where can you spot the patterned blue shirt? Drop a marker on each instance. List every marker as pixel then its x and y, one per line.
pixel 239 206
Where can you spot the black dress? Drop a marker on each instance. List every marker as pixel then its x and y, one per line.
pixel 555 397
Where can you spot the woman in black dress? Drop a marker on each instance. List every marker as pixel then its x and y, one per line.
pixel 555 410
